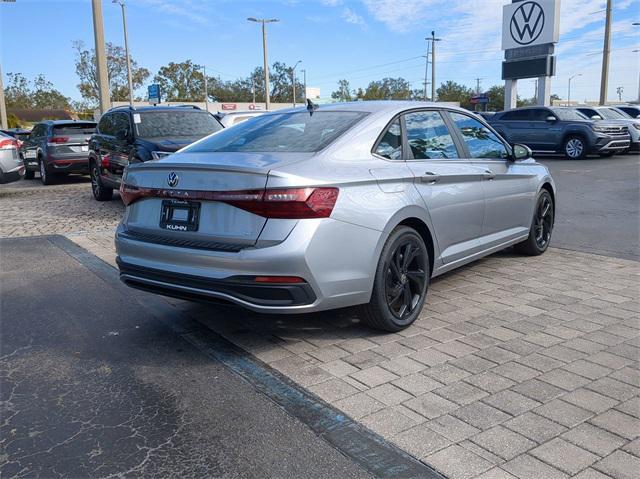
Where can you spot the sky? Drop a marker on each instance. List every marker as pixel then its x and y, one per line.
pixel 358 40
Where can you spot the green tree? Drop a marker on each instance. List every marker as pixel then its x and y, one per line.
pixel 343 93
pixel 85 64
pixel 40 94
pixel 182 81
pixel 452 91
pixel 496 98
pixel 386 89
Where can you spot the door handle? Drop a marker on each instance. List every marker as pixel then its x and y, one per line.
pixel 429 177
pixel 488 175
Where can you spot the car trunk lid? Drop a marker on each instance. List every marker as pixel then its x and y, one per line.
pixel 71 138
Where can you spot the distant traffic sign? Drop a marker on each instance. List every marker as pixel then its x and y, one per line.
pixel 154 93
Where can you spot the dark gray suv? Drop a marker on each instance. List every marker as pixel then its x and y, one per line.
pixel 560 130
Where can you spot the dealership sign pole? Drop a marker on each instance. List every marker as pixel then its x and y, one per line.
pixel 530 30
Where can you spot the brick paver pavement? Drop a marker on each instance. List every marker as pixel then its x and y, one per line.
pixel 518 367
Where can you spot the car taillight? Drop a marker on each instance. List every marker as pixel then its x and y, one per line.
pixel 8 144
pixel 59 139
pixel 293 203
pixel 105 161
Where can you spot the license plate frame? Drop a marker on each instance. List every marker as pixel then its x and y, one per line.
pixel 180 215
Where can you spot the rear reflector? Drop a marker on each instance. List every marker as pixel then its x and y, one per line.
pixel 59 139
pixel 293 203
pixel 278 279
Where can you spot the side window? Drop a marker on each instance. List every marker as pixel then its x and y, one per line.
pixel 481 142
pixel 540 114
pixel 120 122
pixel 105 126
pixel 390 145
pixel 428 136
pixel 516 115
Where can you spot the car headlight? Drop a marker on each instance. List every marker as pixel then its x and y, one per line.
pixel 636 126
pixel 156 155
pixel 599 129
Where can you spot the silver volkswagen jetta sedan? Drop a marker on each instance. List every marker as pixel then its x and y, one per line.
pixel 333 206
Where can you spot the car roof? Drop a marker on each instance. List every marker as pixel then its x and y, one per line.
pixel 154 108
pixel 66 122
pixel 372 106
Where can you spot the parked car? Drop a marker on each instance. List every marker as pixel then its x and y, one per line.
pixel 57 147
pixel 11 167
pixel 632 110
pixel 347 204
pixel 235 117
pixel 19 134
pixel 614 115
pixel 560 130
pixel 132 135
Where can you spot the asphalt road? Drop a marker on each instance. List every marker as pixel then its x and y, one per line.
pixel 598 205
pixel 94 385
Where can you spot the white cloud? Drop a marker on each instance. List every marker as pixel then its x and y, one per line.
pixel 401 16
pixel 350 16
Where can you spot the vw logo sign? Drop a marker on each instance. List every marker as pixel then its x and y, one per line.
pixel 527 23
pixel 172 179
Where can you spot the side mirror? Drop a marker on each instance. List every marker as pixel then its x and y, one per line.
pixel 122 134
pixel 596 117
pixel 551 118
pixel 521 152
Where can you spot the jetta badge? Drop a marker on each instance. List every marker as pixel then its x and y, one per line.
pixel 172 179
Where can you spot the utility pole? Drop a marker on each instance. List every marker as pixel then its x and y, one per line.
pixel 126 49
pixel 101 57
pixel 426 70
pixel 264 21
pixel 433 65
pixel 619 91
pixel 478 85
pixel 3 107
pixel 304 76
pixel 253 89
pixel 606 51
pixel 206 89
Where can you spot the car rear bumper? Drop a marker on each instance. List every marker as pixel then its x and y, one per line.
pixel 69 163
pixel 336 260
pixel 10 176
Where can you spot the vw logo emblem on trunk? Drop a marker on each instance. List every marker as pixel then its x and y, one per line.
pixel 172 179
pixel 527 23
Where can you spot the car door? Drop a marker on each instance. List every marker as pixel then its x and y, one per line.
pixel 545 132
pixel 450 186
pixel 517 127
pixel 121 145
pixel 509 188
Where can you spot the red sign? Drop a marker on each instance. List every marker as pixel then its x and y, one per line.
pixel 229 106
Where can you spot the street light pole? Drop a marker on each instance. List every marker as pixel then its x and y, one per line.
pixel 433 64
pixel 126 49
pixel 606 50
pixel 293 81
pixel 264 21
pixel 569 88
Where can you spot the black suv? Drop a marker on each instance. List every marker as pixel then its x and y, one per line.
pixel 127 135
pixel 560 130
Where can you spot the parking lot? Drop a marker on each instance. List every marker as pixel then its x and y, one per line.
pixel 521 367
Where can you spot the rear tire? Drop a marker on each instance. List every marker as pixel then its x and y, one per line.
pixel 400 283
pixel 100 192
pixel 29 174
pixel 46 176
pixel 574 147
pixel 541 227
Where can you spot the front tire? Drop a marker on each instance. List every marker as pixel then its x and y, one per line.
pixel 575 148
pixel 541 227
pixel 100 192
pixel 400 283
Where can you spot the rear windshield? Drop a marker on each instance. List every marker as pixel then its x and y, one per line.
pixel 177 123
pixel 568 115
pixel 74 129
pixel 286 132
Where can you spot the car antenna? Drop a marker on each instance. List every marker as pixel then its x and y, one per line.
pixel 311 107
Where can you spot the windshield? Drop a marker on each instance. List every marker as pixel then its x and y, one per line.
pixel 176 123
pixel 568 115
pixel 611 114
pixel 287 132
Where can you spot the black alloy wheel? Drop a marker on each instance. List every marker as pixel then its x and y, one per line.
pixel 541 227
